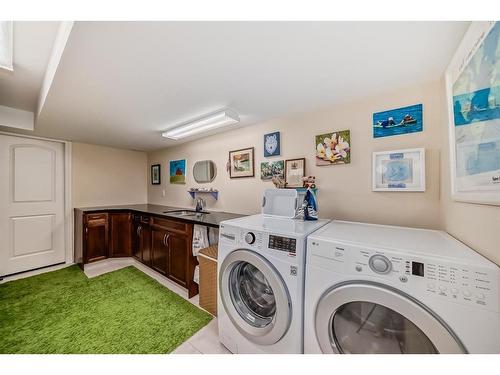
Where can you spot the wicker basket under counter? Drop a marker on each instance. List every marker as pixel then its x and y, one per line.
pixel 207 258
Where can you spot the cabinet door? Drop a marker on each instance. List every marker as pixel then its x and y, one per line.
pixel 178 258
pixel 121 236
pixel 159 250
pixel 96 240
pixel 146 243
pixel 136 240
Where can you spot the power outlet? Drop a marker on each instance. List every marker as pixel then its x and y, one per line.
pixel 163 193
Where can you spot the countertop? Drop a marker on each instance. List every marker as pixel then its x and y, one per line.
pixel 211 219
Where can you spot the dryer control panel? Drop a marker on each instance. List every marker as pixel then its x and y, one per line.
pixel 438 277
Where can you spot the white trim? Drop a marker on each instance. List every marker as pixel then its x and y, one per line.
pixel 68 199
pixel 55 58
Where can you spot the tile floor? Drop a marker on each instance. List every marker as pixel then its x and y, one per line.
pixel 205 341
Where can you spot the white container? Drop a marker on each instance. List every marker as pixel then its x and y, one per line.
pixel 280 203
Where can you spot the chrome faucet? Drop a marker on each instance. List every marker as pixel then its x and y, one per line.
pixel 199 204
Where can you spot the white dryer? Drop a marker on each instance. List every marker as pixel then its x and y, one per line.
pixel 382 289
pixel 261 283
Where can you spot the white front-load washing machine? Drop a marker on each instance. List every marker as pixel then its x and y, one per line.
pixel 261 283
pixel 382 289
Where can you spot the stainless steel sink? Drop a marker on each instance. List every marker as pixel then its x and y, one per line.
pixel 185 213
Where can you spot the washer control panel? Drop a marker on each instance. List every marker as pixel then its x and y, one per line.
pixel 439 277
pixel 286 244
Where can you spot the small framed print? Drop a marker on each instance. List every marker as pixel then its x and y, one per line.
pixel 155 174
pixel 272 144
pixel 399 170
pixel 241 163
pixel 295 170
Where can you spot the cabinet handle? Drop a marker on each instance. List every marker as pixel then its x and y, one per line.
pixel 86 230
pixel 165 239
pixel 139 229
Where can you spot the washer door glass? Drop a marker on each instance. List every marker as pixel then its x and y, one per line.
pixel 251 294
pixel 365 327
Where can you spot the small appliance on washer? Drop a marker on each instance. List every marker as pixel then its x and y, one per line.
pixel 261 283
pixel 382 289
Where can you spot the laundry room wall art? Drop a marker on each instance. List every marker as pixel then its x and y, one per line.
pixel 398 121
pixel 473 96
pixel 333 148
pixel 272 144
pixel 399 170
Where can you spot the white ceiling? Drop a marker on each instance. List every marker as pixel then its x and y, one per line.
pixel 122 83
pixel 32 47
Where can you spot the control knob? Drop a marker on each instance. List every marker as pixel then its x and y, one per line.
pixel 249 238
pixel 380 264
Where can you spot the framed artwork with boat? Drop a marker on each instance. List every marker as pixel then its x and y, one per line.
pixel 398 121
pixel 473 96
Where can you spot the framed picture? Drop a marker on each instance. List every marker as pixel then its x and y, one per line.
pixel 398 121
pixel 399 170
pixel 178 171
pixel 295 170
pixel 155 174
pixel 241 163
pixel 272 145
pixel 333 148
pixel 473 97
pixel 269 169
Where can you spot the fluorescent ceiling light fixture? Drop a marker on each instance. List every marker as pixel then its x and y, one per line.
pixel 209 122
pixel 6 45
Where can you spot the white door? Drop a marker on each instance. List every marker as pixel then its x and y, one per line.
pixel 31 204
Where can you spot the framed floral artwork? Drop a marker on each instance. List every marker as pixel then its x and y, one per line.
pixel 399 170
pixel 241 163
pixel 333 148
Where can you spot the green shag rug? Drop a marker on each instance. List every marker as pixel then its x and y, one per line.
pixel 124 311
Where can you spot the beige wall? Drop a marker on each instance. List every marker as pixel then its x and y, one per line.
pixel 344 190
pixel 107 176
pixel 476 225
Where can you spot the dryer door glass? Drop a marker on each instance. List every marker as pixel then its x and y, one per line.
pixel 252 295
pixel 364 327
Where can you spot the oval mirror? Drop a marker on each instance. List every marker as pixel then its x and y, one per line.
pixel 204 171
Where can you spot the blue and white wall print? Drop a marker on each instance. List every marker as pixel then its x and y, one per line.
pixel 473 84
pixel 400 170
pixel 398 121
pixel 272 146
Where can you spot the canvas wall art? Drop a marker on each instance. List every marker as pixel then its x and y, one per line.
pixel 398 121
pixel 333 148
pixel 241 163
pixel 272 144
pixel 399 170
pixel 473 91
pixel 269 169
pixel 178 171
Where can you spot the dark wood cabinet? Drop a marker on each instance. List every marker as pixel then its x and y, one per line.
pixel 160 243
pixel 120 227
pixel 95 237
pixel 141 239
pixel 172 252
pixel 160 249
pixel 180 250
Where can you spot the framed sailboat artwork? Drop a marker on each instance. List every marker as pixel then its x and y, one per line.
pixel 473 96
